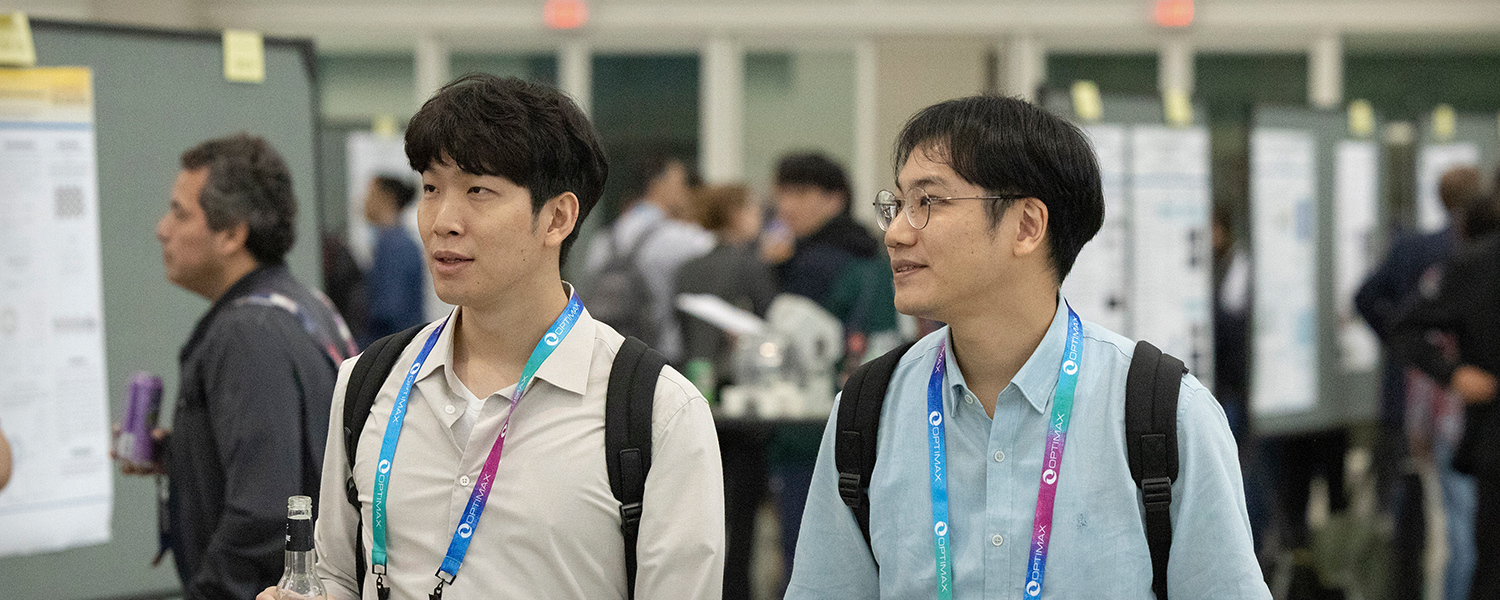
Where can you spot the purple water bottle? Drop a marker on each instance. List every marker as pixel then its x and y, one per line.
pixel 142 403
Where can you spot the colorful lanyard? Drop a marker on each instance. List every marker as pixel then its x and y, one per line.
pixel 1057 437
pixel 465 531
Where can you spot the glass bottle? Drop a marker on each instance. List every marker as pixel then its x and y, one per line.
pixel 300 579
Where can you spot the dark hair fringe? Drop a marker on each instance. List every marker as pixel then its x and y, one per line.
pixel 813 169
pixel 399 188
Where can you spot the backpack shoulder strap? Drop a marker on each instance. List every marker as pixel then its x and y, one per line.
pixel 628 405
pixel 857 424
pixel 369 374
pixel 1151 389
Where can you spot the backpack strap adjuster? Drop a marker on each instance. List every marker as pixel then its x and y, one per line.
pixel 1156 493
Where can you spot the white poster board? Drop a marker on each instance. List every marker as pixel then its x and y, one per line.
pixel 1170 302
pixel 1283 193
pixel 370 155
pixel 1356 206
pixel 1097 285
pixel 1432 161
pixel 53 397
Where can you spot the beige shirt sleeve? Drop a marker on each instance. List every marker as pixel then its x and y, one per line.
pixel 680 551
pixel 338 521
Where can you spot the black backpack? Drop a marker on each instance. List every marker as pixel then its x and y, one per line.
pixel 618 293
pixel 1151 389
pixel 627 429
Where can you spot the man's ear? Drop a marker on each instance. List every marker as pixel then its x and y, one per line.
pixel 560 216
pixel 232 239
pixel 1031 225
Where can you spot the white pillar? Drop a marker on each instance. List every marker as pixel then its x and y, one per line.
pixel 1023 66
pixel 721 111
pixel 1325 71
pixel 575 74
pixel 868 166
pixel 431 62
pixel 1174 66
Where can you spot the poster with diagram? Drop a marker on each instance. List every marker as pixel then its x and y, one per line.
pixel 53 397
pixel 1284 232
pixel 1097 286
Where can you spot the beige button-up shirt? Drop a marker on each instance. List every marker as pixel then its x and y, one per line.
pixel 551 528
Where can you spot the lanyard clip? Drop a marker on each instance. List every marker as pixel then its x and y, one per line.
pixel 437 592
pixel 444 578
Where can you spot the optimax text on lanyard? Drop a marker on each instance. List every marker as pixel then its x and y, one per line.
pixel 1057 438
pixel 475 507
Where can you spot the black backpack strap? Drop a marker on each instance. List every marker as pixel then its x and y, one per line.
pixel 369 374
pixel 1151 389
pixel 857 424
pixel 628 404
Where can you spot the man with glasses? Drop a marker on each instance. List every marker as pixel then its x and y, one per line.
pixel 994 199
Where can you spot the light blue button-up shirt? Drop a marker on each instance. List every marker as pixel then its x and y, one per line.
pixel 1098 547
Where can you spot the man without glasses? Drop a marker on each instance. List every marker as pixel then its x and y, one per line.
pixel 517 373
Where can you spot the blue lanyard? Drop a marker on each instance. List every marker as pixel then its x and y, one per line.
pixel 1062 411
pixel 462 535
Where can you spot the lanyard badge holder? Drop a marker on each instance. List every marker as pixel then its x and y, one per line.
pixel 459 546
pixel 1062 413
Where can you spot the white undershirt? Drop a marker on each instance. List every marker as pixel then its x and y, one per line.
pixel 464 426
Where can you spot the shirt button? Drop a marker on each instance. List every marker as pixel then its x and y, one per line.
pixel 999 456
pixel 448 409
pixel 968 397
pixel 998 539
pixel 464 481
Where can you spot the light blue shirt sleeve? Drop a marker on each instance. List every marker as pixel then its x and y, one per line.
pixel 832 560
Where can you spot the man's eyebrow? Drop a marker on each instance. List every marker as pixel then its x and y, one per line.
pixel 923 182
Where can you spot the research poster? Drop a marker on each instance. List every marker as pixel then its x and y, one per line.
pixel 371 155
pixel 1172 266
pixel 1096 287
pixel 1432 161
pixel 1283 201
pixel 53 396
pixel 1356 205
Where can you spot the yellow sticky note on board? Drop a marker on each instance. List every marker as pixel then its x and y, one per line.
pixel 244 56
pixel 1444 123
pixel 16 48
pixel 1178 108
pixel 1086 102
pixel 1361 119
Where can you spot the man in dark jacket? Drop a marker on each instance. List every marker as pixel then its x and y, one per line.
pixel 1467 306
pixel 256 376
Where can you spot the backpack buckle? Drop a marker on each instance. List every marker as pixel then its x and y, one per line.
pixel 1156 492
pixel 850 488
pixel 630 514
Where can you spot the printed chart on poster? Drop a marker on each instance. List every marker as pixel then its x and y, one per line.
pixel 1283 192
pixel 1432 161
pixel 371 155
pixel 1097 286
pixel 1356 204
pixel 1172 264
pixel 53 404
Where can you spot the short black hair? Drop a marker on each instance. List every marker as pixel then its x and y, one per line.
pixel 399 188
pixel 248 182
pixel 816 170
pixel 652 166
pixel 1010 146
pixel 529 133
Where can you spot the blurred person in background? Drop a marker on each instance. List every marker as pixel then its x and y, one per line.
pixel 395 287
pixel 257 374
pixel 344 283
pixel 819 251
pixel 1232 295
pixel 646 245
pixel 1452 334
pixel 1413 263
pixel 732 271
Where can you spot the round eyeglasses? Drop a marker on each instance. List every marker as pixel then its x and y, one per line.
pixel 919 208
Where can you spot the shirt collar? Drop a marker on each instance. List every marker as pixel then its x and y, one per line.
pixel 1038 377
pixel 566 368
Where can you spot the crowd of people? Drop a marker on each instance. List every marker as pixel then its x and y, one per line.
pixel 477 438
